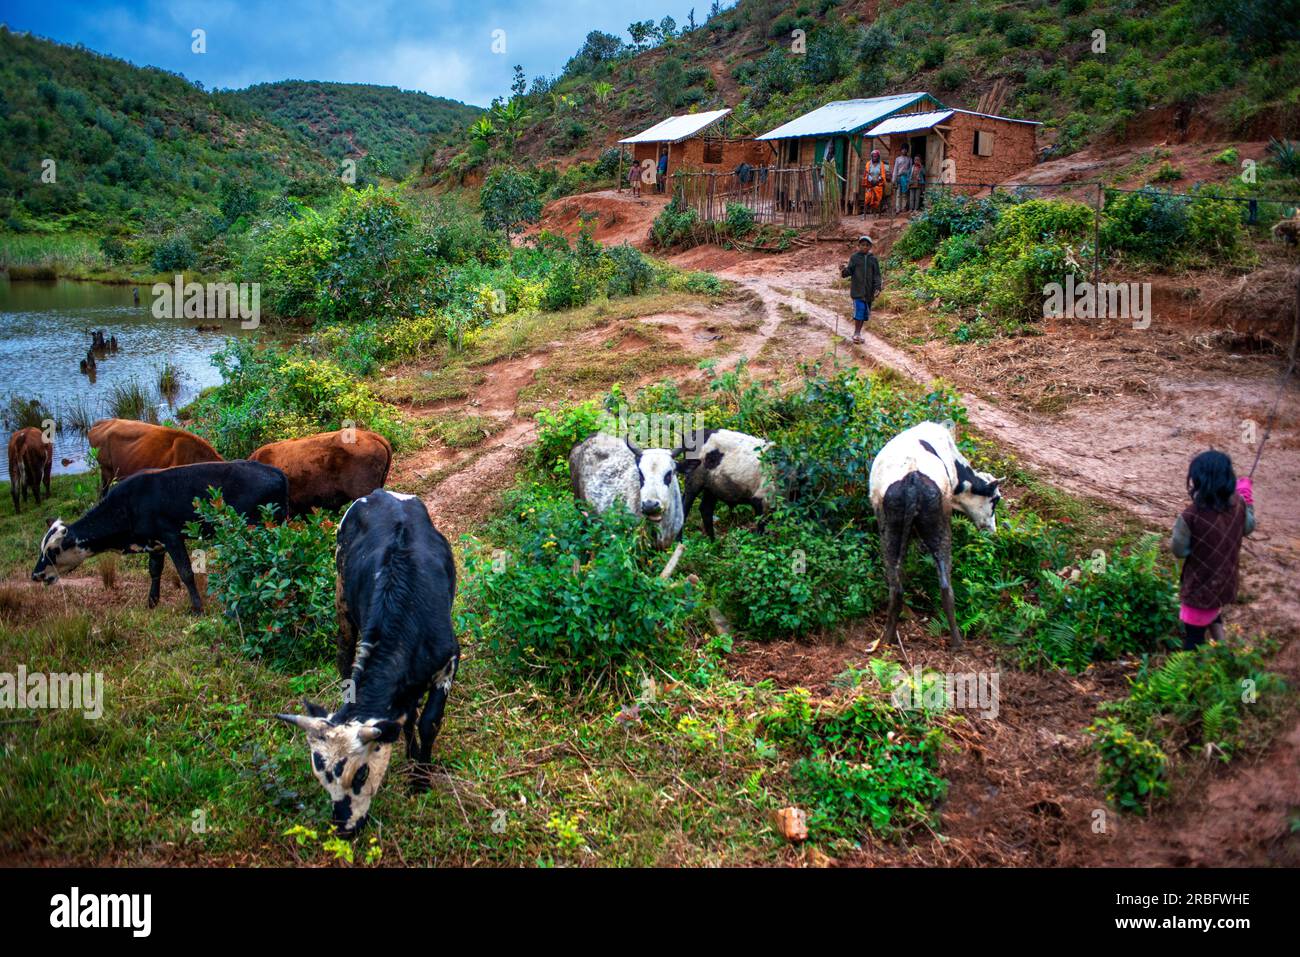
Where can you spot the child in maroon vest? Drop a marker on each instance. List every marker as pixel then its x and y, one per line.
pixel 1208 537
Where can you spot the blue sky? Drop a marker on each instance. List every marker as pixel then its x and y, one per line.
pixel 437 46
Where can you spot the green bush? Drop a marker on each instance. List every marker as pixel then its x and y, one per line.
pixel 269 394
pixel 1133 771
pixel 173 254
pixel 795 577
pixel 573 598
pixel 558 432
pixel 674 225
pixel 275 582
pixel 860 763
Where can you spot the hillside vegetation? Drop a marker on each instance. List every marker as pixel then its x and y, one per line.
pixel 1089 69
pixel 132 147
pixel 388 127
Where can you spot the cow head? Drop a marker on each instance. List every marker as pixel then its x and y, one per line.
pixel 977 496
pixel 349 758
pixel 658 473
pixel 60 554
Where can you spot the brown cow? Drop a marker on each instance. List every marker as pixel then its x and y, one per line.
pixel 30 459
pixel 331 469
pixel 126 446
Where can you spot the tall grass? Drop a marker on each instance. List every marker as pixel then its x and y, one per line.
pixel 44 255
pixel 169 381
pixel 79 415
pixel 19 412
pixel 132 400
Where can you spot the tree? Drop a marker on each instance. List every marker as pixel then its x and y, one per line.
pixel 509 199
pixel 642 33
pixel 670 81
pixel 510 118
pixel 690 20
pixel 519 85
pixel 667 28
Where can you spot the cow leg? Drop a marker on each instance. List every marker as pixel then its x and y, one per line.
pixel 707 503
pixel 181 559
pixel 892 549
pixel 938 541
pixel 156 559
pixel 431 719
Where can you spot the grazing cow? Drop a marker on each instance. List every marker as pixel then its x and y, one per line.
pixel 125 446
pixel 918 478
pixel 148 513
pixel 30 461
pixel 330 469
pixel 605 470
pixel 725 467
pixel 395 583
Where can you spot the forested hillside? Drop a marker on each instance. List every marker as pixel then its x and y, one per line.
pixel 388 127
pixel 1091 70
pixel 133 147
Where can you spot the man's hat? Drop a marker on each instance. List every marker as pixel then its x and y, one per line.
pixel 865 239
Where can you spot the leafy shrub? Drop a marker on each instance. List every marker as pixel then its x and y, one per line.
pixel 269 394
pixel 558 432
pixel 674 225
pixel 509 199
pixel 173 254
pixel 274 581
pixel 918 240
pixel 568 600
pixel 795 577
pixel 861 762
pixel 1133 771
pixel 739 220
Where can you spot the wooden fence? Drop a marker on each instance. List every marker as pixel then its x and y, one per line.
pixel 799 197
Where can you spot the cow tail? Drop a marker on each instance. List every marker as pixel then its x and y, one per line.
pixel 911 508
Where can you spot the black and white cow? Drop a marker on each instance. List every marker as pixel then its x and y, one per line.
pixel 396 580
pixel 725 466
pixel 918 478
pixel 148 512
pixel 605 469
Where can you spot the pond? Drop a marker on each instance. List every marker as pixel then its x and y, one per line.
pixel 45 331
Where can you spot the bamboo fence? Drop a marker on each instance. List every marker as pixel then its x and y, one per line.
pixel 800 197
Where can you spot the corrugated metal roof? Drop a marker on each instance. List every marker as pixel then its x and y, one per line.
pixel 909 122
pixel 677 128
pixel 843 116
pixel 1005 119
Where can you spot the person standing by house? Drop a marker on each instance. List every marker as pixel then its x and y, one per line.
pixel 874 177
pixel 902 173
pixel 863 273
pixel 634 179
pixel 916 186
pixel 661 184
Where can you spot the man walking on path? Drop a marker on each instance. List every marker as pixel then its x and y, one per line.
pixel 863 273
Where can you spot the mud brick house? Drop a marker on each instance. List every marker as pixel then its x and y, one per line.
pixel 846 131
pixel 696 141
pixel 960 146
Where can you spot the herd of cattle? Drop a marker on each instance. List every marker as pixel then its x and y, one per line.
pixel 395 572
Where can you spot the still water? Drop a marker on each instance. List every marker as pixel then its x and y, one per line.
pixel 45 331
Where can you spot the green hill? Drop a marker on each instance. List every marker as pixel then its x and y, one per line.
pixel 389 127
pixel 1092 70
pixel 133 148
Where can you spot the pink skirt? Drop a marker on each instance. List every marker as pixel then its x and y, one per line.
pixel 1197 617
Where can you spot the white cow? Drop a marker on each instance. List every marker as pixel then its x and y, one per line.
pixel 918 478
pixel 605 470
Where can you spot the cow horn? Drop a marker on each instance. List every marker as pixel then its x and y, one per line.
pixel 632 447
pixel 303 721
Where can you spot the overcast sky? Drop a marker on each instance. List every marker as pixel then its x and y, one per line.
pixel 438 46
